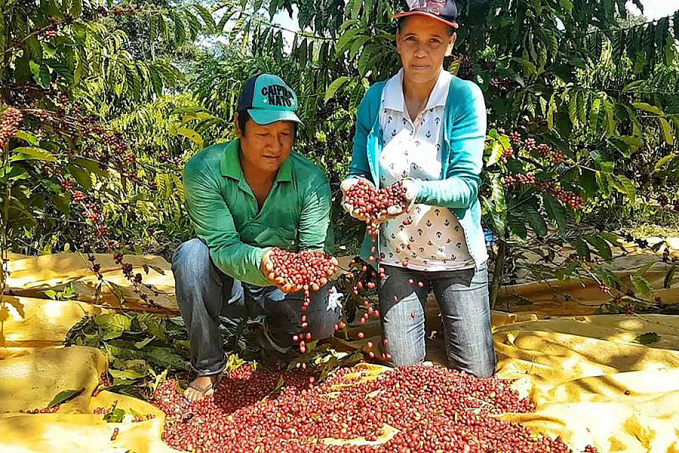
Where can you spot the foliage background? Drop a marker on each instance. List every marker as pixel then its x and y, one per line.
pixel 116 97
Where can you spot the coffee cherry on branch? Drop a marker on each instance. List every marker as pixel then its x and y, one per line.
pixel 515 138
pixel 78 196
pixel 573 200
pixel 11 118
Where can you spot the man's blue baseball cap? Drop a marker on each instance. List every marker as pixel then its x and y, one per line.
pixel 267 98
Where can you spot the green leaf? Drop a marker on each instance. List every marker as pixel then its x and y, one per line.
pixel 556 212
pixel 602 247
pixel 517 226
pixel 77 8
pixel 627 187
pixel 165 357
pixel 33 153
pixel 81 176
pixel 648 108
pixel 40 74
pixel 180 186
pixel 632 141
pixel 594 114
pixel 647 338
pixel 60 68
pixel 567 5
pixel 334 86
pixel 613 239
pixel 115 416
pixel 179 27
pixel 92 165
pixel 144 342
pixel 127 374
pixel 604 182
pixel 641 285
pixel 563 273
pixel 535 220
pixel 665 160
pixel 156 329
pixel 206 16
pixel 642 271
pixel 588 182
pixel 610 118
pixel 27 136
pixel 573 109
pixel 192 135
pixel 607 166
pixel 65 396
pixel 582 248
pixel 345 39
pixel 667 131
pixel 495 153
pixel 113 325
pixel 583 97
pixel 113 320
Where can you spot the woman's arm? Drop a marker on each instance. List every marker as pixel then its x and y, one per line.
pixel 467 137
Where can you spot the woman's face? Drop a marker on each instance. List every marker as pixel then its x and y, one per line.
pixel 423 43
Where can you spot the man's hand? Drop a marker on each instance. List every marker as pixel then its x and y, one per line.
pixel 268 271
pixel 287 287
pixel 345 186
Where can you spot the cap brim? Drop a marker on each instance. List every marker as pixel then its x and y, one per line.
pixel 424 13
pixel 263 117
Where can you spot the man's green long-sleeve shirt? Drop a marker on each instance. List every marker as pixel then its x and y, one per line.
pixel 224 210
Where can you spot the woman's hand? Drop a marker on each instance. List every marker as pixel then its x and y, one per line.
pixel 410 195
pixel 346 185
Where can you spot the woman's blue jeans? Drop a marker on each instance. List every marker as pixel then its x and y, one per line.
pixel 462 298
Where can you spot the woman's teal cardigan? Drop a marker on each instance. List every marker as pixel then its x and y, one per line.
pixel 464 127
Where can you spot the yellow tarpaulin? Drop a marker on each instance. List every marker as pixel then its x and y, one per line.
pixel 591 383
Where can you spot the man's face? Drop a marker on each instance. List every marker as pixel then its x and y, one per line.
pixel 265 147
pixel 423 43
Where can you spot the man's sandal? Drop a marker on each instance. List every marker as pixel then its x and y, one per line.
pixel 209 389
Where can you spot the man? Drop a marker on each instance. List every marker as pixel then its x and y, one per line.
pixel 244 198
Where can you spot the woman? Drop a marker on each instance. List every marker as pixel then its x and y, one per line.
pixel 426 127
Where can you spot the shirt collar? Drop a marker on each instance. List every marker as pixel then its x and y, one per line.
pixel 393 92
pixel 230 164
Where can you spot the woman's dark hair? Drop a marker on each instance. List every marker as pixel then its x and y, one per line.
pixel 401 21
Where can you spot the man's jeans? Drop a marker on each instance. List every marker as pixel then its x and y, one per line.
pixel 205 294
pixel 462 297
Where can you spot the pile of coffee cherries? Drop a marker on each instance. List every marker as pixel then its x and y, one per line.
pixel 373 204
pixel 426 408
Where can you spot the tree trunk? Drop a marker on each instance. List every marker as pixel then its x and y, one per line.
pixel 497 272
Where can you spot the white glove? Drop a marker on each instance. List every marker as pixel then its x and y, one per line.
pixel 344 187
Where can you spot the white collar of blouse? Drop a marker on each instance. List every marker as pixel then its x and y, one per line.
pixel 393 92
